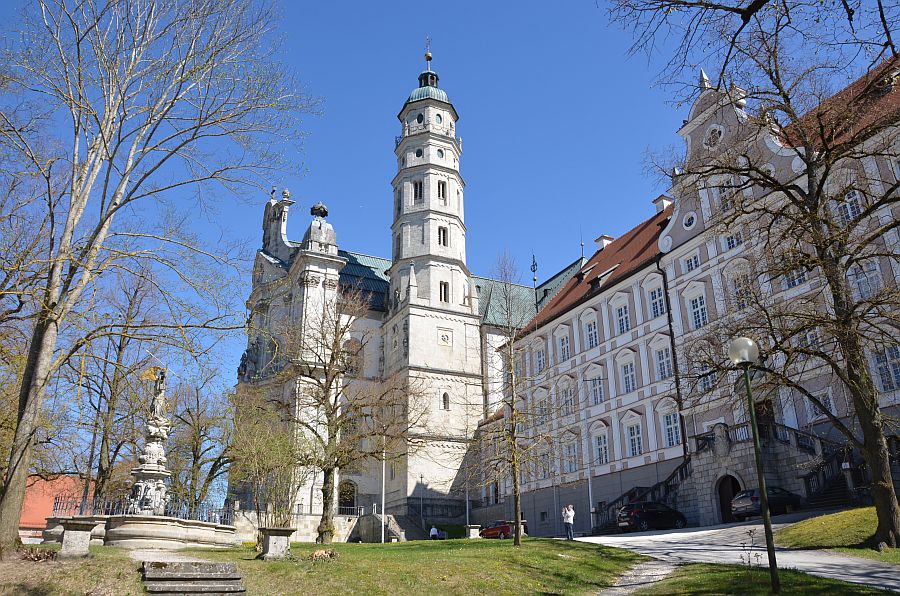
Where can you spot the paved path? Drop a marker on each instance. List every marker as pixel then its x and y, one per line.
pixel 723 544
pixel 639 576
pixel 163 556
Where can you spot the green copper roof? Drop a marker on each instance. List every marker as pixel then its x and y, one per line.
pixel 428 92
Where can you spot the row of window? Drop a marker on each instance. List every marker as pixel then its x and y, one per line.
pixel 633 438
pixel 418 195
pixel 443 239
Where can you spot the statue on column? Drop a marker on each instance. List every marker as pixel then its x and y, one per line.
pixel 148 495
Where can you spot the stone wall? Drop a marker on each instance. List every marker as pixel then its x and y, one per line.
pixel 345 527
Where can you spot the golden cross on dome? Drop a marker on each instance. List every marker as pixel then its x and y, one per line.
pixel 428 52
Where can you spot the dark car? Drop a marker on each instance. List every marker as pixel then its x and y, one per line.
pixel 747 504
pixel 644 515
pixel 501 529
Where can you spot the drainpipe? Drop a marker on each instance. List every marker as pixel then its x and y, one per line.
pixel 669 320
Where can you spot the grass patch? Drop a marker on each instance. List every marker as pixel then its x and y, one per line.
pixel 850 532
pixel 430 567
pixel 108 570
pixel 703 578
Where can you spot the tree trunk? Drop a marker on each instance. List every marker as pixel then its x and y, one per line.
pixel 326 524
pixel 517 503
pixel 37 370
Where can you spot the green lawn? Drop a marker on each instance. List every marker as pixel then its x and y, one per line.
pixel 702 578
pixel 429 567
pixel 850 532
pixel 108 571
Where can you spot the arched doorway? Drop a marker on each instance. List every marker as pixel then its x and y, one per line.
pixel 346 495
pixel 727 489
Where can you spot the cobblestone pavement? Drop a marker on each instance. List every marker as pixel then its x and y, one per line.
pixel 639 576
pixel 729 542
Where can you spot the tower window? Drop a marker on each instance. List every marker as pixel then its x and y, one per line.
pixel 442 192
pixel 440 153
pixel 445 401
pixel 444 291
pixel 397 242
pixel 419 152
pixel 399 202
pixel 420 118
pixel 418 193
pixel 439 119
pixel 443 236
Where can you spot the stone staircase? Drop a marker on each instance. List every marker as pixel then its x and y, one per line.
pixel 411 527
pixel 192 577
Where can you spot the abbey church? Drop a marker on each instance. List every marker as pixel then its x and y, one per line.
pixel 621 406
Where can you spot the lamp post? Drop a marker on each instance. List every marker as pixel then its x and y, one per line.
pixel 421 501
pixel 383 449
pixel 743 351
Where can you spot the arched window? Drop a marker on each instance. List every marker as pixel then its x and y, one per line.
pixel 445 401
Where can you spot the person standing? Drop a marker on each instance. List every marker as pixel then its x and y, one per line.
pixel 434 533
pixel 568 514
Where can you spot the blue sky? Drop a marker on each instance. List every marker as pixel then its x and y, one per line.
pixel 555 121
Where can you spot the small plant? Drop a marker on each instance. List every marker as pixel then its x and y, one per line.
pixel 749 558
pixel 37 554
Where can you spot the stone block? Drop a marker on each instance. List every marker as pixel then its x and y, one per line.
pixel 76 538
pixel 276 543
pixel 472 531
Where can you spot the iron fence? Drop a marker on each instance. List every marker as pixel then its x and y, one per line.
pixel 67 505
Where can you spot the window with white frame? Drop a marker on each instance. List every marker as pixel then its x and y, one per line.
pixel 570 457
pixel 657 302
pixel 595 390
pixel 591 335
pixel 629 379
pixel 887 363
pixel 542 408
pixel 635 439
pixel 601 449
pixel 567 400
pixel 623 321
pixel 690 263
pixel 543 466
pixel 671 429
pixel 734 240
pixel 706 378
pixel 850 208
pixel 699 315
pixel 814 412
pixel 793 277
pixel 741 290
pixel 442 192
pixel 443 236
pixel 664 363
pixel 807 339
pixel 539 362
pixel 418 193
pixel 564 348
pixel 865 279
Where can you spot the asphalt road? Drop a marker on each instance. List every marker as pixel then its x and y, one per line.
pixel 727 543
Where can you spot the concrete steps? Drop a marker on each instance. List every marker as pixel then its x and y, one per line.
pixel 191 578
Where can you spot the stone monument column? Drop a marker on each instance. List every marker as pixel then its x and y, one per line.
pixel 148 495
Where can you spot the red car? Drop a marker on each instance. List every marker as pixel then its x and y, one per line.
pixel 501 529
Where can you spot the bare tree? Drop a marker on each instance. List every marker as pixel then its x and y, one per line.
pixel 829 216
pixel 199 445
pixel 116 105
pixel 515 439
pixel 346 412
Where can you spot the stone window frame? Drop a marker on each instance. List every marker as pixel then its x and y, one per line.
pixel 694 290
pixel 595 372
pixel 620 304
pixel 567 395
pixel 563 349
pixel 623 359
pixel 664 408
pixel 570 452
pixel 600 429
pixel 585 319
pixel 633 419
pixel 827 397
pixel 659 343
pixel 690 262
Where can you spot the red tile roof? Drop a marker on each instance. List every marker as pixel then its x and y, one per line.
pixel 623 257
pixel 856 112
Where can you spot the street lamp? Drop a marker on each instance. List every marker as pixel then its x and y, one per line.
pixel 743 351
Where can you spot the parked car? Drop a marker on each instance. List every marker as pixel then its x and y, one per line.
pixel 644 515
pixel 747 504
pixel 501 529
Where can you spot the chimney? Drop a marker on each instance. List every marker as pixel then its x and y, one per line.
pixel 661 202
pixel 603 241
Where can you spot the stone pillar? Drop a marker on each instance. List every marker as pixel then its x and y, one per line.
pixel 76 536
pixel 472 531
pixel 276 543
